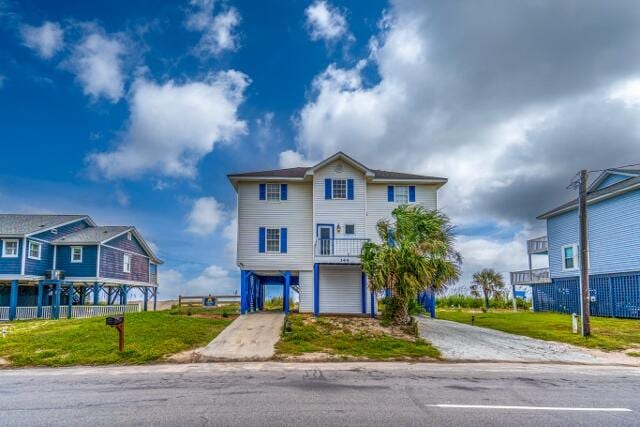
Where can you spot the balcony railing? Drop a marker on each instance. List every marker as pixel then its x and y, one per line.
pixel 345 247
pixel 539 245
pixel 530 277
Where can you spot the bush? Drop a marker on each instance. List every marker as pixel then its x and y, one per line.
pixel 465 301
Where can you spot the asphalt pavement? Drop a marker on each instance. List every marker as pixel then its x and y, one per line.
pixel 270 393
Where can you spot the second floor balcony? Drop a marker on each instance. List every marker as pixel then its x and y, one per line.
pixel 339 249
pixel 530 277
pixel 539 245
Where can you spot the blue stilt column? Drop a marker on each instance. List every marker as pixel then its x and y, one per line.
pixel 373 304
pixel 40 296
pixel 55 309
pixel 387 293
pixel 13 300
pixel 316 289
pixel 287 288
pixel 96 293
pixel 70 300
pixel 244 292
pixel 145 299
pixel 364 293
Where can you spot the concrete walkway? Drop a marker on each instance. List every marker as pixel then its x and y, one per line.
pixel 249 337
pixel 460 342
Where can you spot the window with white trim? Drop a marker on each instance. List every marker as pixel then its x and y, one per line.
pixel 35 250
pixel 76 253
pixel 401 194
pixel 126 265
pixel 273 191
pixel 570 257
pixel 10 248
pixel 339 187
pixel 273 240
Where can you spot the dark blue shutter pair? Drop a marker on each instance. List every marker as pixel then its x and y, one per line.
pixel 263 191
pixel 262 240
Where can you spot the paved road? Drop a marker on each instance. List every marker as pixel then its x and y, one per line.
pixel 262 393
pixel 458 341
pixel 249 337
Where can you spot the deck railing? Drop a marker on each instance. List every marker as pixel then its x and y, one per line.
pixel 350 247
pixel 77 311
pixel 530 277
pixel 538 245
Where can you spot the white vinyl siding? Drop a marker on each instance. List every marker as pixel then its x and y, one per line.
pixel 378 206
pixel 294 214
pixel 306 291
pixel 339 212
pixel 340 289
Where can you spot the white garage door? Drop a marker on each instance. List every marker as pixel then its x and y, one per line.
pixel 340 289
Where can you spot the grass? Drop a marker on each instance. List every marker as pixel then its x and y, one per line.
pixel 346 338
pixel 148 337
pixel 607 334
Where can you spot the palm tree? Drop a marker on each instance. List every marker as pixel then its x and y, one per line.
pixel 489 282
pixel 417 254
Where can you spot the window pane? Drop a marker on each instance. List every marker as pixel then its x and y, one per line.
pixel 34 250
pixel 339 188
pixel 77 254
pixel 568 257
pixel 402 194
pixel 273 240
pixel 350 229
pixel 11 248
pixel 273 191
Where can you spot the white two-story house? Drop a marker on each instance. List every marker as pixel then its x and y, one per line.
pixel 304 228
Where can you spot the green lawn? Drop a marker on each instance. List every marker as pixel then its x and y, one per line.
pixel 349 337
pixel 607 334
pixel 148 337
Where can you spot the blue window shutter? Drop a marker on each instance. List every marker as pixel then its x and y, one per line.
pixel 262 235
pixel 263 191
pixel 390 193
pixel 283 191
pixel 350 189
pixel 283 240
pixel 412 193
pixel 327 188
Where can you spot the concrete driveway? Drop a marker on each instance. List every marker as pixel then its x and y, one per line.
pixel 250 337
pixel 462 342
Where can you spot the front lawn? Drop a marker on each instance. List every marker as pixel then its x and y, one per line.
pixel 349 337
pixel 607 334
pixel 148 337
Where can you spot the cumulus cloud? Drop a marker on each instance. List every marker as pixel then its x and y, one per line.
pixel 509 108
pixel 219 31
pixel 326 22
pixel 173 125
pixel 97 62
pixel 205 216
pixel 211 280
pixel 46 40
pixel 292 159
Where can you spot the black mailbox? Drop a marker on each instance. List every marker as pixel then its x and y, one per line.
pixel 115 321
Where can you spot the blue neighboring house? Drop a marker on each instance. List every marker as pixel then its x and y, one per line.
pixel 613 211
pixel 67 260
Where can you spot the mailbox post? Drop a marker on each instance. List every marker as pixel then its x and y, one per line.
pixel 118 323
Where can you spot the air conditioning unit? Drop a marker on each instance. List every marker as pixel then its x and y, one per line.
pixel 54 274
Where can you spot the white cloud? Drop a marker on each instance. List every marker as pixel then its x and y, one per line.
pixel 326 22
pixel 218 31
pixel 205 216
pixel 627 91
pixel 292 159
pixel 97 62
pixel 213 280
pixel 122 198
pixel 46 40
pixel 173 125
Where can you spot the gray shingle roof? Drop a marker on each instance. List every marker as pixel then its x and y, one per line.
pixel 21 224
pixel 92 234
pixel 380 174
pixel 300 172
pixel 623 185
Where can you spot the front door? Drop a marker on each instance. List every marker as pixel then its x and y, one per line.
pixel 325 233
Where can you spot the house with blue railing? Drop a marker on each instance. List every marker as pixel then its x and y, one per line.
pixel 303 228
pixel 613 211
pixel 54 266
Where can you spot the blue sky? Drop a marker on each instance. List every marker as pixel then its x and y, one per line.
pixel 134 112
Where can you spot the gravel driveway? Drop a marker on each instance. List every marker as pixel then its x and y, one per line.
pixel 460 342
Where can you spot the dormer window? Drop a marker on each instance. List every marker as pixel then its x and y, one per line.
pixel 339 189
pixel 273 191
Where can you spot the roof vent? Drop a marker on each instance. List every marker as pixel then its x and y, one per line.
pixel 54 231
pixel 339 168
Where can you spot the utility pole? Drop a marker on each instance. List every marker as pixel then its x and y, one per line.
pixel 584 256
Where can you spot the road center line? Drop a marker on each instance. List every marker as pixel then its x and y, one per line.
pixel 531 408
